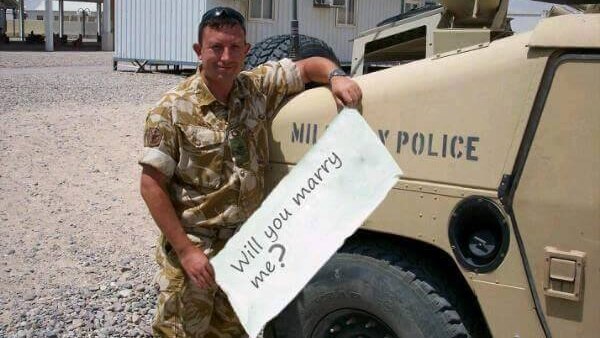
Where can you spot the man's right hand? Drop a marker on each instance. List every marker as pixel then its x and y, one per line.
pixel 197 266
pixel 193 260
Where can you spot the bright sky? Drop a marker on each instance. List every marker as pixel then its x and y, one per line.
pixel 527 6
pixel 522 24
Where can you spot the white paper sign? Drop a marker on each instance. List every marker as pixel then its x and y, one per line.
pixel 305 219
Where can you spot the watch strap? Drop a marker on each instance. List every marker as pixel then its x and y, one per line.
pixel 336 72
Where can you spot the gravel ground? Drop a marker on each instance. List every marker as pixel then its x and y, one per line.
pixel 31 80
pixel 76 241
pixel 55 59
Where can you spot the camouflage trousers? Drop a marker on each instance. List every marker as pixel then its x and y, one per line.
pixel 186 311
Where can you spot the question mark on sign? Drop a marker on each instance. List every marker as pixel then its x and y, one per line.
pixel 281 254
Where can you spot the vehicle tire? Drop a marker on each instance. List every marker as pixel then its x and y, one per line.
pixel 359 295
pixel 277 47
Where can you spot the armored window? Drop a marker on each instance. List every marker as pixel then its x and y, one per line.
pixel 261 9
pixel 345 16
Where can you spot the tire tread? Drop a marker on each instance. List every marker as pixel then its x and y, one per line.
pixel 411 269
pixel 276 48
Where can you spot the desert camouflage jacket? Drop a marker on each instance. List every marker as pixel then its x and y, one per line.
pixel 215 154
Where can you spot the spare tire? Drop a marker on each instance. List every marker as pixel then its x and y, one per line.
pixel 277 47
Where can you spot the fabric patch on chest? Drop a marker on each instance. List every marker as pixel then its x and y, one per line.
pixel 239 147
pixel 153 137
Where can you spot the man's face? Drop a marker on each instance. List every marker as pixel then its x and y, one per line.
pixel 222 52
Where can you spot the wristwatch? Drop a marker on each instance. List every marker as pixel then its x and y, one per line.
pixel 336 72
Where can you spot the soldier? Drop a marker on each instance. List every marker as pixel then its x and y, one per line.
pixel 205 152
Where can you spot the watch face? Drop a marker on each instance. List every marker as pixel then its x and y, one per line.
pixel 338 72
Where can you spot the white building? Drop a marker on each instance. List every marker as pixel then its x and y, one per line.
pixel 73 18
pixel 163 31
pixel 62 17
pixel 72 9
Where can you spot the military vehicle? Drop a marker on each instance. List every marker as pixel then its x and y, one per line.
pixel 494 229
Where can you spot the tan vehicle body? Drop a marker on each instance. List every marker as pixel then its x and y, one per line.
pixel 516 122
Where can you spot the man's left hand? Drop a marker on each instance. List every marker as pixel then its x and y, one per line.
pixel 345 91
pixel 319 69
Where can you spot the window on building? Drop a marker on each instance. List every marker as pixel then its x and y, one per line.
pixel 39 17
pixel 56 18
pixel 261 9
pixel 91 19
pixel 346 15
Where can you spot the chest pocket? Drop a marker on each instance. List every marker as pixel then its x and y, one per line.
pixel 201 160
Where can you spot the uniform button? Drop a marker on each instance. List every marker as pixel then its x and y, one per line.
pixel 242 173
pixel 261 117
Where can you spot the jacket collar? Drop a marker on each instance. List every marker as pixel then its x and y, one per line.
pixel 206 97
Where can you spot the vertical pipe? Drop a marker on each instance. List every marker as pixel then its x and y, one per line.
pixel 84 14
pixel 22 19
pixel 61 18
pixel 475 9
pixel 295 10
pixel 107 43
pixel 4 22
pixel 295 37
pixel 49 17
pixel 99 25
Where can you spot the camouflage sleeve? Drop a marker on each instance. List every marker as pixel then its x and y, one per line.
pixel 279 79
pixel 160 140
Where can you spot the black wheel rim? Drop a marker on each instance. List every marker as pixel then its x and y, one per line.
pixel 352 323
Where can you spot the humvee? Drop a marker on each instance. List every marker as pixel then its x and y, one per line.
pixel 494 229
